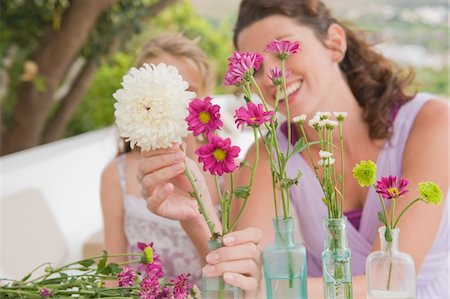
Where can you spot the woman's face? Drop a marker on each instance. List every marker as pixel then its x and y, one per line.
pixel 314 72
pixel 187 69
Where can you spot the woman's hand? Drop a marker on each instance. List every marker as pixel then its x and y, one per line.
pixel 166 188
pixel 239 261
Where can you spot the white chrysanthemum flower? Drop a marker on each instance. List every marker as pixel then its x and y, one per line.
pixel 340 115
pixel 299 119
pixel 152 106
pixel 325 154
pixel 326 162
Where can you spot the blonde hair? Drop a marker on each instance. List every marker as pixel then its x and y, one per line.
pixel 179 45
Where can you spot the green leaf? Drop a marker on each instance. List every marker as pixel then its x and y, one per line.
pixel 102 263
pixel 39 83
pixel 299 146
pixel 242 192
pixel 382 218
pixel 115 269
pixel 86 263
pixel 387 234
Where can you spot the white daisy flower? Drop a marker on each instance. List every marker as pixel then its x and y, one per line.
pixel 330 124
pixel 325 154
pixel 151 107
pixel 323 115
pixel 326 162
pixel 314 122
pixel 299 119
pixel 340 115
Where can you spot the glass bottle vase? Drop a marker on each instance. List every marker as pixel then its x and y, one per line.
pixel 336 260
pixel 285 269
pixel 215 287
pixel 390 273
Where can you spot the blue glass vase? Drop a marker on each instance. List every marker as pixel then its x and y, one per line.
pixel 336 261
pixel 215 287
pixel 285 270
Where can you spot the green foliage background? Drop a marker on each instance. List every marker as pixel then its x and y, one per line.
pixel 97 111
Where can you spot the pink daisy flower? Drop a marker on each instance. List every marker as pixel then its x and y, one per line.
pixel 45 293
pixel 389 188
pixel 241 66
pixel 283 49
pixel 203 117
pixel 253 116
pixel 149 288
pixel 126 277
pixel 218 155
pixel 181 286
pixel 151 263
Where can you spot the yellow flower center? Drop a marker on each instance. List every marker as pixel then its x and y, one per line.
pixel 204 117
pixel 253 118
pixel 219 154
pixel 393 192
pixel 148 251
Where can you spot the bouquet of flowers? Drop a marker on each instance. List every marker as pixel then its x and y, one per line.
pixel 86 279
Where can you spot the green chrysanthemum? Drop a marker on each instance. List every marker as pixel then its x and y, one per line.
pixel 148 252
pixel 365 172
pixel 430 193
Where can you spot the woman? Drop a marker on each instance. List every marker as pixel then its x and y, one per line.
pixel 406 134
pixel 126 219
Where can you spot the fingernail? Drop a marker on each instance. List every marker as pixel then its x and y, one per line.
pixel 212 257
pixel 228 277
pixel 228 240
pixel 208 269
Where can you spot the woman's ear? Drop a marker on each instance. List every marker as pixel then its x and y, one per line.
pixel 336 41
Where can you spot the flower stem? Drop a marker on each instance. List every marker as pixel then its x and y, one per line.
pixel 201 205
pixel 404 210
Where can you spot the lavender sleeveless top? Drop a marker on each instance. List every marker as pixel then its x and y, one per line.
pixel 433 277
pixel 176 250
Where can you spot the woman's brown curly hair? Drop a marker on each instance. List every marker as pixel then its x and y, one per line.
pixel 377 86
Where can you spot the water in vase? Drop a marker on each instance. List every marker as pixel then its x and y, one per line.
pixel 376 294
pixel 338 290
pixel 283 287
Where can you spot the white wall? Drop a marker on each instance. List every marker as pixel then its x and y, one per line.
pixel 67 173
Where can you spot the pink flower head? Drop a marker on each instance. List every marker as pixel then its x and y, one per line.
pixel 126 277
pixel 283 49
pixel 203 117
pixel 389 188
pixel 218 155
pixel 165 293
pixel 45 293
pixel 276 75
pixel 149 288
pixel 181 286
pixel 151 266
pixel 241 66
pixel 253 116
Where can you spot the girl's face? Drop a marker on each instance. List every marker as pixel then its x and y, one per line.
pixel 187 69
pixel 314 76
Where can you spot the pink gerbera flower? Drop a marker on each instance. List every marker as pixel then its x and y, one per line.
pixel 203 117
pixel 241 67
pixel 149 288
pixel 389 188
pixel 282 49
pixel 126 277
pixel 218 155
pixel 181 286
pixel 253 116
pixel 151 263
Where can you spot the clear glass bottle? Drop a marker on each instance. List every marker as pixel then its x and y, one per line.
pixel 215 287
pixel 285 269
pixel 390 273
pixel 336 261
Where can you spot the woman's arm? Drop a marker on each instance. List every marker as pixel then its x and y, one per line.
pixel 112 208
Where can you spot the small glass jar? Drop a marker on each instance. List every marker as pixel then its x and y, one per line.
pixel 390 273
